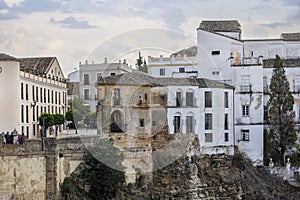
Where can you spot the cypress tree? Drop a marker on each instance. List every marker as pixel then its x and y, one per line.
pixel 282 133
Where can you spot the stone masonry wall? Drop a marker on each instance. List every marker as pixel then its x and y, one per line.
pixel 35 169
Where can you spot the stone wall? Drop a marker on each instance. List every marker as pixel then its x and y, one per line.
pixel 35 169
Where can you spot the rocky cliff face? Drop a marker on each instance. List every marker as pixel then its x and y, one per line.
pixel 212 177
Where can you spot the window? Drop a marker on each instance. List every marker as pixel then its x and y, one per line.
pixel 208 137
pixel 52 97
pixel 55 97
pixel 86 94
pixel 112 74
pixel 189 99
pixel 208 99
pixel 226 137
pixel 226 99
pixel 208 121
pixel 162 71
pixel 215 73
pixel 226 122
pixel 181 69
pixel 117 99
pixel 189 124
pixel 26 91
pixel 245 110
pixel 86 79
pixel 27 131
pixel 178 99
pixel 37 94
pixel 22 92
pixel 37 112
pixel 41 94
pixel 45 95
pixel 215 53
pixel 22 113
pixel 245 135
pixel 33 114
pixel 33 96
pixel 245 86
pixel 176 123
pixel 27 114
pixel 59 100
pixel 142 123
pixel 33 129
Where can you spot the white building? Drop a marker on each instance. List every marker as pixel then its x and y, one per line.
pixel 29 87
pixel 245 64
pixel 180 65
pixel 222 55
pixel 89 73
pixel 203 107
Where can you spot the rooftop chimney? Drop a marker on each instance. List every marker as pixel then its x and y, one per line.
pixel 105 60
pixel 124 62
pixel 86 62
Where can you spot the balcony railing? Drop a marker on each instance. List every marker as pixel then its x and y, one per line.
pixel 245 88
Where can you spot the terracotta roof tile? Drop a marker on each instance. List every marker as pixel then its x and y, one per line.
pixel 37 66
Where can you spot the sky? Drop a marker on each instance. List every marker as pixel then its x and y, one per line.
pixel 79 30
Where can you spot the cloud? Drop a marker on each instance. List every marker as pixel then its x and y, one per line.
pixel 7 15
pixel 292 2
pixel 30 6
pixel 73 23
pixel 3 5
pixel 174 17
pixel 277 24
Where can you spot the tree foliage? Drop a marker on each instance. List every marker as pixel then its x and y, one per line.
pixel 282 133
pixel 141 65
pixel 105 182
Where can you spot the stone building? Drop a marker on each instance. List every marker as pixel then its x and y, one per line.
pixel 29 87
pixel 133 107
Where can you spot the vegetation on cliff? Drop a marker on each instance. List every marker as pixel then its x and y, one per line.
pixel 93 179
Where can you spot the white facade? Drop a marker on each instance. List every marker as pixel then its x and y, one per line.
pixel 172 67
pixel 241 64
pixel 192 117
pixel 29 94
pixel 89 74
pixel 212 123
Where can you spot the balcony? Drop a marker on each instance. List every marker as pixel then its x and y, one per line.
pixel 245 88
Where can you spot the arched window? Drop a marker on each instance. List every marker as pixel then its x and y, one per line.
pixel 116 122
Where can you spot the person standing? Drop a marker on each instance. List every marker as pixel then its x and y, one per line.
pixel 7 138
